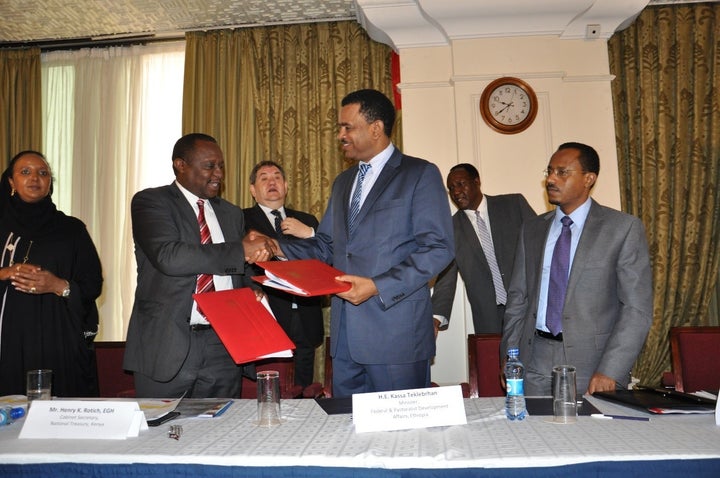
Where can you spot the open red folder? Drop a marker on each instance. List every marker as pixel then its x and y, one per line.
pixel 246 327
pixel 306 277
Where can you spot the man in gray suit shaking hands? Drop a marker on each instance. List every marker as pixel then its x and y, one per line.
pixel 581 289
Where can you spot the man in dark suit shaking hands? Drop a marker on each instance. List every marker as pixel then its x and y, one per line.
pixel 486 233
pixel 581 290
pixel 300 317
pixel 387 225
pixel 187 240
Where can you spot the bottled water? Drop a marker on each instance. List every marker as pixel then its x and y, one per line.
pixel 10 414
pixel 514 375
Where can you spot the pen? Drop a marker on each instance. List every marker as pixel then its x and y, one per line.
pixel 222 410
pixel 619 417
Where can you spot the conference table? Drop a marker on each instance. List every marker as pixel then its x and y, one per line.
pixel 311 443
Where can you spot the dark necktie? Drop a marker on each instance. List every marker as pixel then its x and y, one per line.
pixel 489 250
pixel 355 203
pixel 557 286
pixel 204 281
pixel 278 220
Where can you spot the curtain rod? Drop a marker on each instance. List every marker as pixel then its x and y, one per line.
pixel 145 37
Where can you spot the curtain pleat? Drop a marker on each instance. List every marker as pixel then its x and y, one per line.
pixel 274 93
pixel 20 102
pixel 667 120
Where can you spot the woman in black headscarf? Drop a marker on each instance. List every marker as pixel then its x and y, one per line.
pixel 50 276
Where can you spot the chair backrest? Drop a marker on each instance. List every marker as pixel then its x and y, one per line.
pixel 694 358
pixel 113 381
pixel 484 365
pixel 285 367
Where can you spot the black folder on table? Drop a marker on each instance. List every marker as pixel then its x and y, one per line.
pixel 659 401
pixel 535 406
pixel 543 406
pixel 335 406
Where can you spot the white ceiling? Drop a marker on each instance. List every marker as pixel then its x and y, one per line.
pixel 396 22
pixel 42 20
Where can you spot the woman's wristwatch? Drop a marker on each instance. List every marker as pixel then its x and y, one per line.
pixel 66 290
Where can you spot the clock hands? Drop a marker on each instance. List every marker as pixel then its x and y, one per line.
pixel 507 105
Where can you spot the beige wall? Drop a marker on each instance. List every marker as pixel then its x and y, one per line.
pixel 441 88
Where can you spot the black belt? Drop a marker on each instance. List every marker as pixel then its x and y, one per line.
pixel 548 335
pixel 197 327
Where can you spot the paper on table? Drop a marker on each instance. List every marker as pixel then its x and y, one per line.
pixel 154 408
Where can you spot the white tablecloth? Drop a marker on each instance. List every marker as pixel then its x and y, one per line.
pixel 309 437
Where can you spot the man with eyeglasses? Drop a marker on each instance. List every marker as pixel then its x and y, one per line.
pixel 581 289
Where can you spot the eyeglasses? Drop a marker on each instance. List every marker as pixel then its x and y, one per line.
pixel 559 172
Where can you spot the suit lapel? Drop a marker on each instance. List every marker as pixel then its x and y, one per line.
pixel 261 222
pixel 186 210
pixel 472 241
pixel 591 231
pixel 386 175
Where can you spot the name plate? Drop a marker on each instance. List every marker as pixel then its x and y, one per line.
pixel 405 409
pixel 79 419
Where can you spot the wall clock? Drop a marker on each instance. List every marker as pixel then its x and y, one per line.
pixel 508 105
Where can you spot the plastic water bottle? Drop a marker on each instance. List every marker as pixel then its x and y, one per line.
pixel 514 375
pixel 10 414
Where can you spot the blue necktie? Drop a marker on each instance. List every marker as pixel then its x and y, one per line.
pixel 355 203
pixel 278 221
pixel 558 278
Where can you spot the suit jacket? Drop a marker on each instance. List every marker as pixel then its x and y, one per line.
pixel 169 257
pixel 506 213
pixel 403 239
pixel 609 301
pixel 281 302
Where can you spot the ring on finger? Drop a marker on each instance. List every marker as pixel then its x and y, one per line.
pixel 32 290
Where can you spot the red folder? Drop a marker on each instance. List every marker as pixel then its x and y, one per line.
pixel 306 277
pixel 246 328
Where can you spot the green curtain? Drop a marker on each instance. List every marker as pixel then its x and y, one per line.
pixel 667 118
pixel 20 102
pixel 274 93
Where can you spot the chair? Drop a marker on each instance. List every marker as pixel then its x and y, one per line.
pixel 693 351
pixel 484 365
pixel 285 367
pixel 113 381
pixel 315 390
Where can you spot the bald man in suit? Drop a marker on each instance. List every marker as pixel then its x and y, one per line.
pixel 600 323
pixel 300 317
pixel 502 216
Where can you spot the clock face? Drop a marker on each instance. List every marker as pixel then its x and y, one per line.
pixel 508 105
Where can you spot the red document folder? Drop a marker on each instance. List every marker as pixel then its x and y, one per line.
pixel 246 328
pixel 306 277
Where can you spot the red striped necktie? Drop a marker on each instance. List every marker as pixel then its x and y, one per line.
pixel 204 281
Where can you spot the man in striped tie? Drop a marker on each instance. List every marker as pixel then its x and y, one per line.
pixel 387 226
pixel 486 232
pixel 187 240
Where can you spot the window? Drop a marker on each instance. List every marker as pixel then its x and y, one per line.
pixel 110 119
